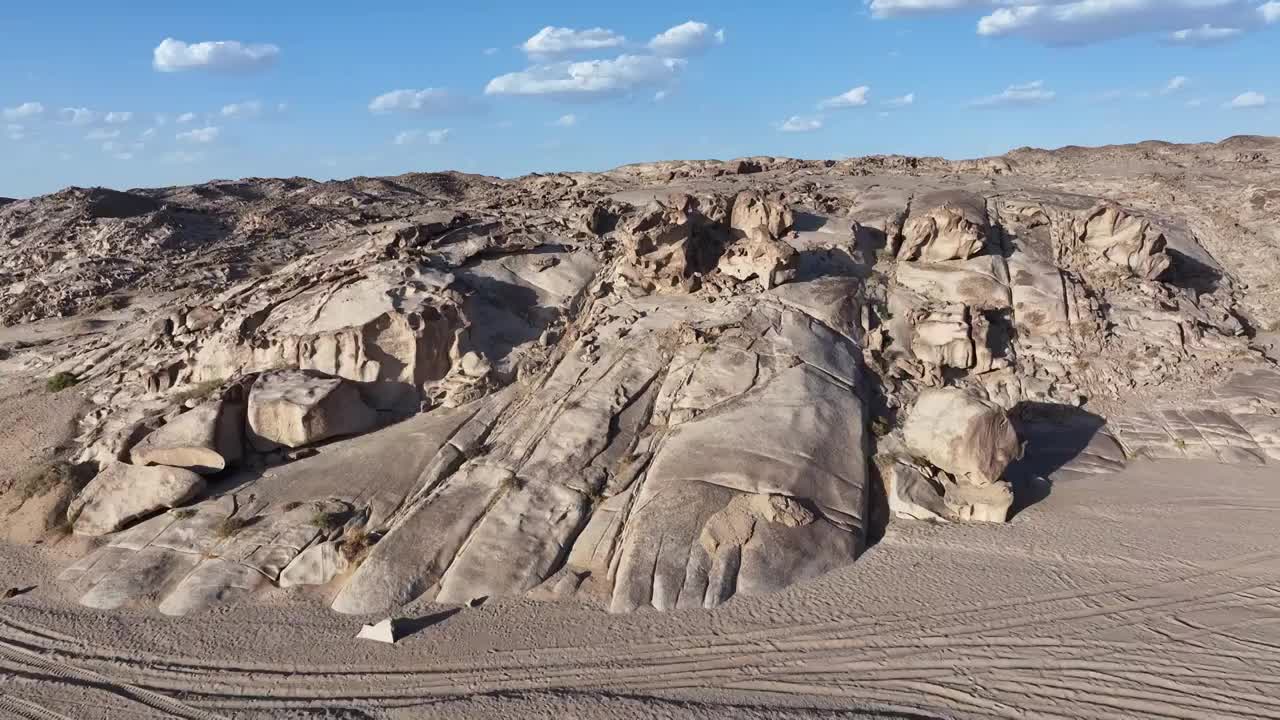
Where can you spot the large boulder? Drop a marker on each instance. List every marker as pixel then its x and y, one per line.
pixel 1125 240
pixel 295 408
pixel 122 493
pixel 664 248
pixel 752 211
pixel 943 226
pixel 206 439
pixel 964 435
pixel 772 262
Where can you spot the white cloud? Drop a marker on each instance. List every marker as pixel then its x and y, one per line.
pixel 77 116
pixel 430 100
pixel 1078 22
pixel 1175 84
pixel 24 111
pixel 1248 100
pixel 904 101
pixel 241 111
pixel 118 118
pixel 102 134
pixel 223 55
pixel 686 39
pixel 551 41
pixel 660 96
pixel 895 8
pixel 856 97
pixel 149 132
pixel 15 132
pixel 566 120
pixel 1033 93
pixel 798 124
pixel 200 135
pixel 408 137
pixel 588 78
pixel 434 137
pixel 1204 35
pixel 185 118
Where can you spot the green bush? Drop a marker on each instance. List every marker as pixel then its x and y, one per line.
pixel 61 381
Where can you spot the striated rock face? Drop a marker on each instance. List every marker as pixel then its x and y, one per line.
pixel 652 388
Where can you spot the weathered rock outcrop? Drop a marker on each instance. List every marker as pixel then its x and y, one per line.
pixel 1125 240
pixel 295 409
pixel 645 388
pixel 945 226
pixel 123 493
pixel 206 439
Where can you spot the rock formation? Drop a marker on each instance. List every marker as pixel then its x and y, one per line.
pixel 654 387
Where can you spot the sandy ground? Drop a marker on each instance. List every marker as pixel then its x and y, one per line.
pixel 1151 593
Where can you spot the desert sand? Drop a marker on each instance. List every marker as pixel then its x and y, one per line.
pixel 1149 593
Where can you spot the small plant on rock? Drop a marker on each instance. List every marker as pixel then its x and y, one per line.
pixel 61 381
pixel 231 527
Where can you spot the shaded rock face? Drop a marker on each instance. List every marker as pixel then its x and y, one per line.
pixel 649 388
pixel 206 439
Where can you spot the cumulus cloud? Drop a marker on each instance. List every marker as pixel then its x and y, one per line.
pixel 203 135
pixel 686 39
pixel 1032 93
pixel 566 120
pixel 552 41
pixel 24 111
pixel 798 124
pixel 15 131
pixel 430 100
pixel 433 137
pixel 185 118
pixel 77 116
pixel 1204 35
pixel 102 134
pixel 1248 100
pixel 1076 22
pixel 117 118
pixel 856 97
pixel 903 101
pixel 241 111
pixel 221 55
pixel 1175 84
pixel 588 78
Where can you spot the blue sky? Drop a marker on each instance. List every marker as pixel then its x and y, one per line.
pixel 95 93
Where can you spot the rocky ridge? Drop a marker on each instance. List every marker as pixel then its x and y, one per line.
pixel 658 386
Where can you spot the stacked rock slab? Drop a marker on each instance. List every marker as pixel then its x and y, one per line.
pixel 970 441
pixel 295 409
